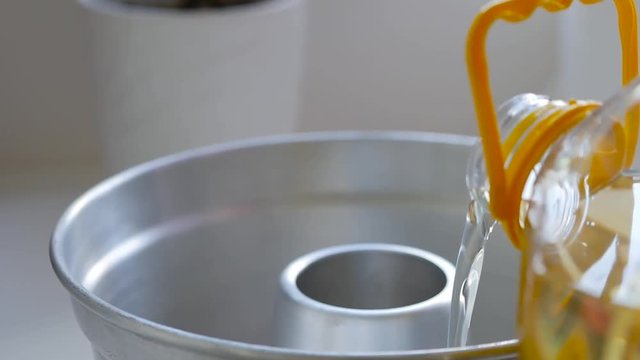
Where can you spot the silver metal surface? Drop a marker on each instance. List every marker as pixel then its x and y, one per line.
pixel 364 298
pixel 189 4
pixel 180 258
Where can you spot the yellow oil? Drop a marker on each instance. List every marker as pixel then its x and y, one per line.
pixel 582 294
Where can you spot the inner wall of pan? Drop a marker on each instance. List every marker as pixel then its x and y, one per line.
pixel 212 265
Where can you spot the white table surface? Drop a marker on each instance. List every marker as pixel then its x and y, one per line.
pixel 36 321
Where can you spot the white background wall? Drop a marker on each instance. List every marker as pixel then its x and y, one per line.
pixel 399 64
pixel 372 64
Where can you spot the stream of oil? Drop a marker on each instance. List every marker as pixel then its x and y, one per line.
pixel 477 229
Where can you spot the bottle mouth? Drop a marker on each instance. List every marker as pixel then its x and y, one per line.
pixel 530 124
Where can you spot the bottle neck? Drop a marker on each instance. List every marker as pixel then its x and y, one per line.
pixel 530 125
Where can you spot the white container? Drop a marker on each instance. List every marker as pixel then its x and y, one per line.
pixel 170 79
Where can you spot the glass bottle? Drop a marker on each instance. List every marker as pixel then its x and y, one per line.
pixel 578 221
